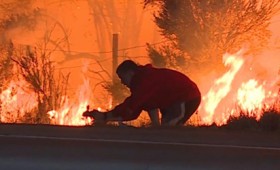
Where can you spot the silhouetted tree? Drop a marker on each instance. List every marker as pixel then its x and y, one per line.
pixel 14 14
pixel 34 64
pixel 207 29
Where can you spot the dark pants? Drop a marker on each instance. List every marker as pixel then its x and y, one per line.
pixel 179 113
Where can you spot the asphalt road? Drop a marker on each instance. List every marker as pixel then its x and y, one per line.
pixel 34 147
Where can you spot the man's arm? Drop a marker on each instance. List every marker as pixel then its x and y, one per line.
pixel 102 117
pixel 126 111
pixel 109 116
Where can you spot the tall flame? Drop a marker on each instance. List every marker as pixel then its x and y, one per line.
pixel 222 86
pixel 71 112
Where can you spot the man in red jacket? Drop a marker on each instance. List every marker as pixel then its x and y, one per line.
pixel 153 89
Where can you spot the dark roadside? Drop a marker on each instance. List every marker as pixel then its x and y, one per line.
pixel 48 147
pixel 194 135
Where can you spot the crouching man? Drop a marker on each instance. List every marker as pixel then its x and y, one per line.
pixel 156 90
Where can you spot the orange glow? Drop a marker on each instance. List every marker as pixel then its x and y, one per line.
pixel 230 94
pixel 240 89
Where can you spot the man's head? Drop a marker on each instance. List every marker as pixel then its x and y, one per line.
pixel 126 71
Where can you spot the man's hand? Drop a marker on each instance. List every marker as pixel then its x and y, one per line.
pixel 88 113
pixel 99 117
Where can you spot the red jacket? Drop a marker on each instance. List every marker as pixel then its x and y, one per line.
pixel 153 88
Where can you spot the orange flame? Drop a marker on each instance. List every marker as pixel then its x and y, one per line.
pixel 71 114
pixel 250 96
pixel 221 87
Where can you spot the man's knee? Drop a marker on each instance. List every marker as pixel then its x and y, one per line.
pixel 172 115
pixel 191 108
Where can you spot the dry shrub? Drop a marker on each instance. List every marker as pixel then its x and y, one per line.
pixel 242 122
pixel 270 120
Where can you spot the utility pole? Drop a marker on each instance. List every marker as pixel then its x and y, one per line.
pixel 115 57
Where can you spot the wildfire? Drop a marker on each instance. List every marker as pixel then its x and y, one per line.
pixel 232 93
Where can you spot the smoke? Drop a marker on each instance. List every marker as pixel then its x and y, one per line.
pixel 268 64
pixel 17 19
pixel 269 60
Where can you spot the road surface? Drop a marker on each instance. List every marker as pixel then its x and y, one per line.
pixel 34 147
